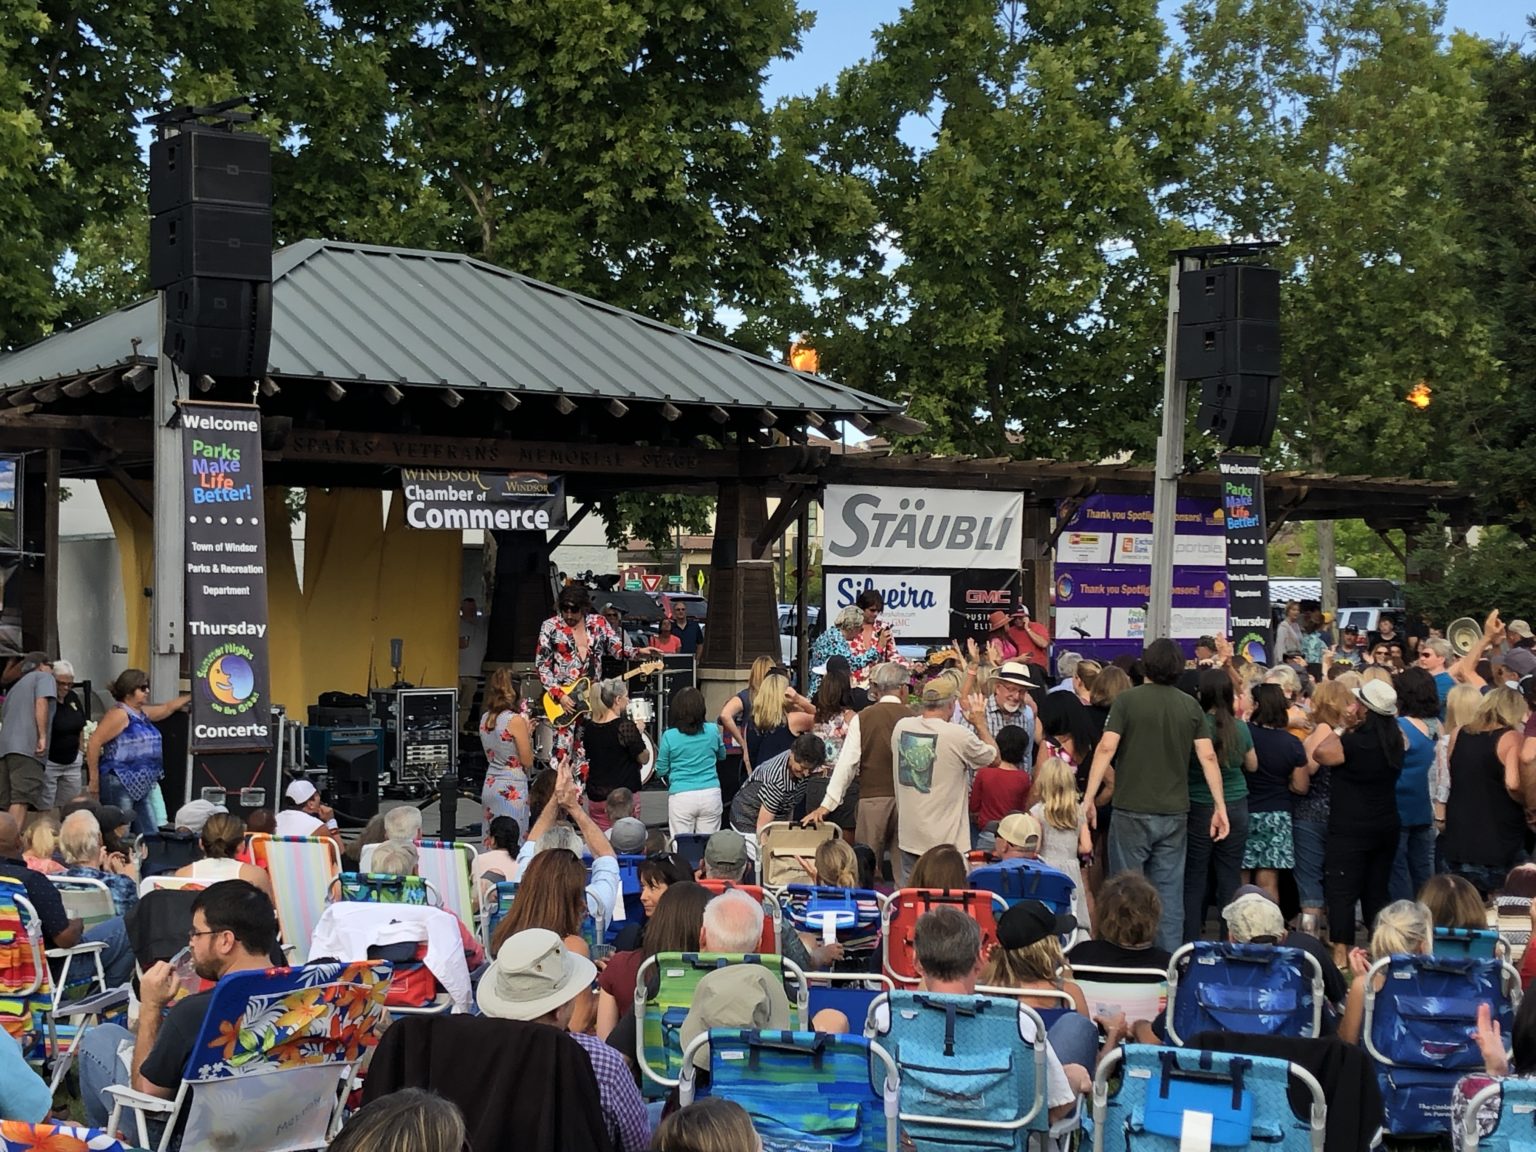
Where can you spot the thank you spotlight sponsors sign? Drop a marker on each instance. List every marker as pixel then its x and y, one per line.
pixel 1102 575
pixel 226 558
pixel 1242 494
pixel 461 498
pixel 942 559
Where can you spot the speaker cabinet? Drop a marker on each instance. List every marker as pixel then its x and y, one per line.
pixel 1229 292
pixel 1228 348
pixel 1240 411
pixel 354 780
pixel 210 240
pixel 219 327
pixel 230 168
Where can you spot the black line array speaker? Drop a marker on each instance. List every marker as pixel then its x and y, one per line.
pixel 1229 340
pixel 210 248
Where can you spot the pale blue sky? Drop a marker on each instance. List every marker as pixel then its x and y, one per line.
pixel 844 34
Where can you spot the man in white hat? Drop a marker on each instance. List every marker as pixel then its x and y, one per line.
pixel 304 814
pixel 192 815
pixel 535 979
pixel 1010 705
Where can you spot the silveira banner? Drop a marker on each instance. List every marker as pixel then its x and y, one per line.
pixel 226 556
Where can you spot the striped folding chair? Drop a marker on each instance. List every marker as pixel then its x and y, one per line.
pixel 447 866
pixel 302 868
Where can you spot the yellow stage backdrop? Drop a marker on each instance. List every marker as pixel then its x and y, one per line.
pixel 365 582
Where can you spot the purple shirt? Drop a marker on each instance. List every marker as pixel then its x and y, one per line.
pixel 629 1124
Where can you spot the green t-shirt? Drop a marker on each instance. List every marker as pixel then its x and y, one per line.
pixel 1234 781
pixel 1158 725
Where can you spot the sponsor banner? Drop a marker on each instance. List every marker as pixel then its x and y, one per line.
pixel 461 498
pixel 1136 548
pixel 1085 547
pixel 931 528
pixel 1086 595
pixel 1133 514
pixel 226 556
pixel 1242 489
pixel 974 595
pixel 916 607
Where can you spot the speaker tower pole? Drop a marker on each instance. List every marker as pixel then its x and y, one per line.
pixel 1170 465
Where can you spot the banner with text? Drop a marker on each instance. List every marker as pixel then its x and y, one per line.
pixel 1102 574
pixel 926 528
pixel 1242 494
pixel 928 607
pixel 461 498
pixel 226 556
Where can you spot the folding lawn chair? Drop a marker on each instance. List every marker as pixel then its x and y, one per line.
pixel 383 888
pixel 1420 1028
pixel 1515 1129
pixel 781 846
pixel 16 1136
pixel 26 993
pixel 690 846
pixel 850 993
pixel 165 851
pixel 301 868
pixel 773 914
pixel 1477 943
pixel 1261 989
pixel 156 883
pixel 1021 879
pixel 1138 993
pixel 1175 1098
pixel 356 930
pixel 659 1015
pixel 854 913
pixel 906 905
pixel 273 1063
pixel 802 1089
pixel 448 865
pixel 972 1070
pixel 81 997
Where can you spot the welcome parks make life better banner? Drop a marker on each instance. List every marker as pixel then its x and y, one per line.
pixel 226 557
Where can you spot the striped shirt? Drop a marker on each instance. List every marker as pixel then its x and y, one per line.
pixel 629 1124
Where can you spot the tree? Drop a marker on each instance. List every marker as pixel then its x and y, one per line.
pixel 1294 550
pixel 1010 283
pixel 1471 574
pixel 1497 422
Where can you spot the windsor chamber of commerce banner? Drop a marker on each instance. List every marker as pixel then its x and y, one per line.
pixel 942 559
pixel 461 498
pixel 1242 495
pixel 1103 574
pixel 226 557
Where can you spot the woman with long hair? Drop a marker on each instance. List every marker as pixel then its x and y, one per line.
pixel 1332 705
pixel 1271 795
pixel 1485 811
pixel 941 866
pixel 778 715
pixel 552 894
pixel 733 717
pixel 122 757
pixel 1453 903
pixel 1216 865
pixel 1363 827
pixel 834 707
pixel 1418 715
pixel 507 742
pixel 221 839
pixel 1402 928
pixel 1110 681
pixel 1460 708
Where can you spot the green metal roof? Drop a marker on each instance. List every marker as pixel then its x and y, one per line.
pixel 356 312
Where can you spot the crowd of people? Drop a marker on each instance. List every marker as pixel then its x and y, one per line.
pixel 1382 788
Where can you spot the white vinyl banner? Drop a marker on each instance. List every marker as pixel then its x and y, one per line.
pixel 922 528
pixel 914 605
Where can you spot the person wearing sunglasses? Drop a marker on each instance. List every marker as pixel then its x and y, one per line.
pixel 122 757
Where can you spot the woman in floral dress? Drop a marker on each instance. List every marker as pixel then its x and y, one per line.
pixel 508 744
pixel 573 643
pixel 874 643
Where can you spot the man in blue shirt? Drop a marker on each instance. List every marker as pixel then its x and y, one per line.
pixel 688 632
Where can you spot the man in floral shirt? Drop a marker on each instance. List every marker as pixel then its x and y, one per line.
pixel 85 857
pixel 573 643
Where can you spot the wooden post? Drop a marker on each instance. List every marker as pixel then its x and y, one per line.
pixel 51 555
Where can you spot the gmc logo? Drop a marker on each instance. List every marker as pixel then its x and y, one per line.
pixel 983 596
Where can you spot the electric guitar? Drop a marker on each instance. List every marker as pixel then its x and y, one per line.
pixel 573 703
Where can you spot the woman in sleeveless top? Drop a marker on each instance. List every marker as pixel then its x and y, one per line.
pixel 122 759
pixel 221 838
pixel 508 745
pixel 615 749
pixel 775 720
pixel 1418 715
pixel 1484 813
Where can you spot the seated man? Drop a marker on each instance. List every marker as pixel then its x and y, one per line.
pixel 304 815
pixel 1254 918
pixel 234 929
pixel 534 978
pixel 85 857
pixel 1018 838
pixel 949 959
pixel 59 930
pixel 726 858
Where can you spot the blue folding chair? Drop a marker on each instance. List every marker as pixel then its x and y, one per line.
pixel 1168 1093
pixel 1258 989
pixel 629 892
pixel 1476 943
pixel 973 1070
pixel 1515 1129
pixel 1021 879
pixel 802 1089
pixel 854 913
pixel 850 993
pixel 1420 1028
pixel 690 846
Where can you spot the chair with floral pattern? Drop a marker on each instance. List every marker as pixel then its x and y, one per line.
pixel 273 1064
pixel 16 1136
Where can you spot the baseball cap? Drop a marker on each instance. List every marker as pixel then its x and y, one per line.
pixel 194 814
pixel 300 791
pixel 1021 830
pixel 111 816
pixel 627 836
pixel 726 849
pixel 1252 915
pixel 1016 672
pixel 939 689
pixel 1518 628
pixel 1030 921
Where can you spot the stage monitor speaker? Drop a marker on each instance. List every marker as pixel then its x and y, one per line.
pixel 1229 292
pixel 211 240
pixel 219 327
pixel 354 780
pixel 210 167
pixel 1240 411
pixel 1228 348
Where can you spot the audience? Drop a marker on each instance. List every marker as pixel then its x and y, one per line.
pixel 221 836
pixel 85 857
pixel 673 925
pixel 708 1125
pixel 304 814
pixel 410 1120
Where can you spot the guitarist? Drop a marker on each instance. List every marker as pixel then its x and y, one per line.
pixel 573 643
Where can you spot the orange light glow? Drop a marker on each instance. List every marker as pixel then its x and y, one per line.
pixel 803 358
pixel 1419 395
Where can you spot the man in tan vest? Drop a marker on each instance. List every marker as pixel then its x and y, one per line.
pixel 865 763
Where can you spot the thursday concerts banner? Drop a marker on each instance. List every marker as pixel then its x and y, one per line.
pixel 1242 494
pixel 226 578
pixel 460 498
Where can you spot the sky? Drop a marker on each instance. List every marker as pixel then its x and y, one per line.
pixel 844 34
